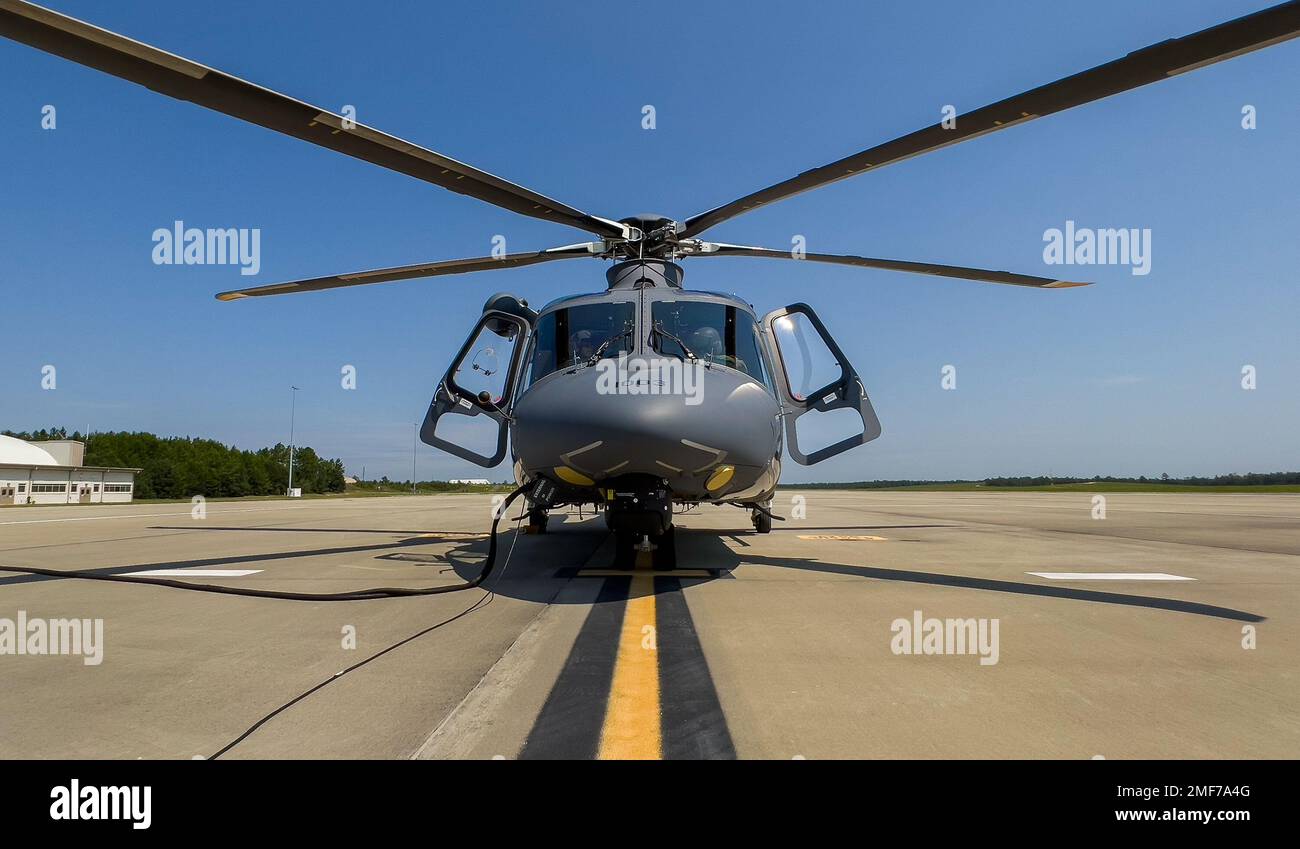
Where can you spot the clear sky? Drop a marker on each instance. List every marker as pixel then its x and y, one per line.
pixel 1135 375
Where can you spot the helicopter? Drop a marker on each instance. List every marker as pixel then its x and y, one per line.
pixel 647 396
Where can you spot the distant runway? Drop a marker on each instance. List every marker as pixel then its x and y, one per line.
pixel 879 625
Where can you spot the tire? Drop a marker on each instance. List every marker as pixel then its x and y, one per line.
pixel 625 549
pixel 762 523
pixel 665 556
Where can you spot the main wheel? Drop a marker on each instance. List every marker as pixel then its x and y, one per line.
pixel 665 555
pixel 625 543
pixel 762 522
pixel 537 521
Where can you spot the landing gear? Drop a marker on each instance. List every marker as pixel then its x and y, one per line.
pixel 665 556
pixel 625 546
pixel 537 519
pixel 639 511
pixel 630 547
pixel 762 522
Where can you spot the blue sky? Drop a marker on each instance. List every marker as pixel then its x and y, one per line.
pixel 1136 375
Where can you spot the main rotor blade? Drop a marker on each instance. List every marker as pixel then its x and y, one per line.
pixel 409 272
pixel 979 274
pixel 180 78
pixel 1166 59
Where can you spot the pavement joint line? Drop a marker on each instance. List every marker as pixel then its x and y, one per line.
pixel 465 724
pixel 1120 538
pixel 1109 576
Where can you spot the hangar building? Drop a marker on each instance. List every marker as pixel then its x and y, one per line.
pixel 52 473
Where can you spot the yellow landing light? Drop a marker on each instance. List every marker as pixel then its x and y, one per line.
pixel 721 477
pixel 568 475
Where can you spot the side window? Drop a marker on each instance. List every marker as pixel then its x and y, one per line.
pixel 810 366
pixel 485 367
pixel 761 367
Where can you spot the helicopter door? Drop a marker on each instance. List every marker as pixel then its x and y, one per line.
pixel 475 391
pixel 813 374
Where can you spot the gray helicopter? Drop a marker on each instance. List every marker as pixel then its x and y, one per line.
pixel 647 395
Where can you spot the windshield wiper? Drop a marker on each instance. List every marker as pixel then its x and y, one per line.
pixel 659 331
pixel 599 352
pixel 604 346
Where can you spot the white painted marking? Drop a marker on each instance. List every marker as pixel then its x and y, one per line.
pixel 140 516
pixel 196 573
pixel 216 509
pixel 1109 576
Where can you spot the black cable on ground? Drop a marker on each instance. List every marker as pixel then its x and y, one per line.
pixel 355 595
pixel 487 594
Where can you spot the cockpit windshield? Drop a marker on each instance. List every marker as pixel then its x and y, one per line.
pixel 712 332
pixel 572 335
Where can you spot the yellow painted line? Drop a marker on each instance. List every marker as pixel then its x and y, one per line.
pixel 843 537
pixel 451 535
pixel 632 720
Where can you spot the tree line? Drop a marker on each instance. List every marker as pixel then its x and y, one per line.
pixel 1246 479
pixel 182 467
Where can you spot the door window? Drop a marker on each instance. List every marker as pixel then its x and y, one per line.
pixel 485 365
pixel 810 366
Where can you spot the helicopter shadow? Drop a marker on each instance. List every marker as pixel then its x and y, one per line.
pixel 534 576
pixel 535 567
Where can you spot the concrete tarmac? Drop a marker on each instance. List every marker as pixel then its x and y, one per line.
pixel 867 625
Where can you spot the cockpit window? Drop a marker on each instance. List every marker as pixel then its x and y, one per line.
pixel 713 332
pixel 572 335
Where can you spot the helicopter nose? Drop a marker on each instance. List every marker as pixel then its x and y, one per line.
pixel 583 427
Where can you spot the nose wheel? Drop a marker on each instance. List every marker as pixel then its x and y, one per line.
pixel 762 522
pixel 661 548
pixel 537 519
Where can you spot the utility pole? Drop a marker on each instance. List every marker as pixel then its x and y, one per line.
pixel 293 410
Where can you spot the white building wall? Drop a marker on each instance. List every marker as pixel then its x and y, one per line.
pixel 118 479
pixel 64 486
pixel 49 486
pixel 87 486
pixel 15 479
pixel 25 477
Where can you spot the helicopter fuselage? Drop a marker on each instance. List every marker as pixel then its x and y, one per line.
pixel 645 396
pixel 707 423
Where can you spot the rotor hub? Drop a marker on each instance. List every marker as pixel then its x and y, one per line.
pixel 644 273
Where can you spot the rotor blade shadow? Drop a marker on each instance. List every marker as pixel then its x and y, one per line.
pixel 1016 587
pixel 244 558
pixel 315 530
pixel 802 528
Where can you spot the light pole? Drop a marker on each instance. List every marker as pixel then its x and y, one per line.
pixel 415 433
pixel 293 411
